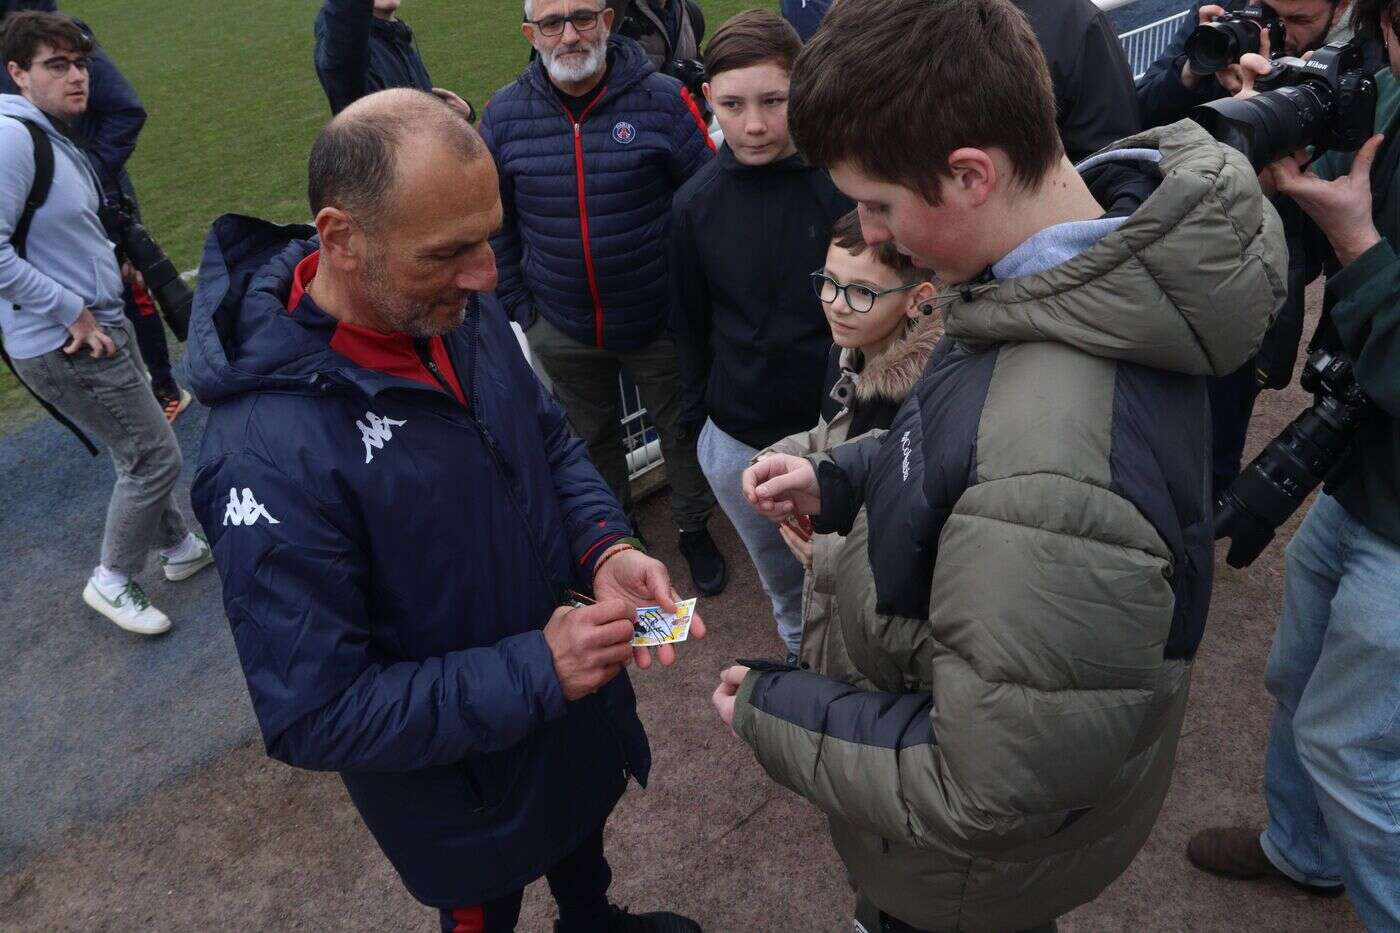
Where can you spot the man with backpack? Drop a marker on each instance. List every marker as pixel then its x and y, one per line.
pixel 61 315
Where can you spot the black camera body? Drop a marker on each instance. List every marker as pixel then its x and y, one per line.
pixel 134 242
pixel 1286 472
pixel 1328 102
pixel 691 73
pixel 1222 42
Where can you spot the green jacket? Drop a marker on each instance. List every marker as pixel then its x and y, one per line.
pixel 1038 566
pixel 1363 301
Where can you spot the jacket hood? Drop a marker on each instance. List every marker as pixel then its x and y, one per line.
pixel 14 105
pixel 241 337
pixel 627 61
pixel 1189 283
pixel 891 375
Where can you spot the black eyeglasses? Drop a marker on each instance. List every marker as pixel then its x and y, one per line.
pixel 859 298
pixel 58 66
pixel 583 20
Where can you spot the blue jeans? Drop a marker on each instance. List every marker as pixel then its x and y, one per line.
pixel 1332 771
pixel 724 459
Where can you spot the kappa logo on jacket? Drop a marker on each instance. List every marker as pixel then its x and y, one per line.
pixel 377 433
pixel 245 511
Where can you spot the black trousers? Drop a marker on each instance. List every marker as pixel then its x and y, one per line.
pixel 579 884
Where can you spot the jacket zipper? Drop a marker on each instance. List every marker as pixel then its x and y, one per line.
pixel 583 214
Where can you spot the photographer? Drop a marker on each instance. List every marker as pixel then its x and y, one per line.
pixel 669 30
pixel 1333 759
pixel 61 315
pixel 1167 93
pixel 362 46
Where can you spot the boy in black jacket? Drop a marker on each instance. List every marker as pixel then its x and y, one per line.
pixel 747 231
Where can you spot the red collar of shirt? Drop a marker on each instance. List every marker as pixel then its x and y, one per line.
pixel 392 354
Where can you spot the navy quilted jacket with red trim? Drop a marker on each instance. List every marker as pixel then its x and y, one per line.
pixel 587 198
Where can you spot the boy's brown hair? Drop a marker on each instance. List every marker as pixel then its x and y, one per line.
pixel 22 34
pixel 846 234
pixel 895 86
pixel 750 38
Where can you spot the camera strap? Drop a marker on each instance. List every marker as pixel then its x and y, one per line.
pixel 38 194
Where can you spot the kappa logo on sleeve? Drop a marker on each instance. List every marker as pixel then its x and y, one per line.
pixel 245 511
pixel 377 433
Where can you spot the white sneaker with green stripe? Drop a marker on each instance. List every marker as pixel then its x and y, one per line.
pixel 199 558
pixel 126 606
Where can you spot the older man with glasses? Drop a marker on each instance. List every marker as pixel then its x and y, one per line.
pixel 591 144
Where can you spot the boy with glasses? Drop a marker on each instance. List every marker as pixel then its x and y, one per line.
pixel 746 233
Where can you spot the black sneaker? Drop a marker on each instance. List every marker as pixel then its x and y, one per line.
pixel 620 921
pixel 707 567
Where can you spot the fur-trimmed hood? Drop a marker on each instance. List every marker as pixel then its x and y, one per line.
pixel 890 375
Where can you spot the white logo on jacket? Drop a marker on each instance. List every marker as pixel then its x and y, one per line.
pixel 907 448
pixel 377 433
pixel 247 510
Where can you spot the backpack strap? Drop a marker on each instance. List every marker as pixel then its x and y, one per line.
pixel 38 194
pixel 39 190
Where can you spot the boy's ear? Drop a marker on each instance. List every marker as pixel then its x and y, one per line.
pixel 919 299
pixel 974 176
pixel 709 95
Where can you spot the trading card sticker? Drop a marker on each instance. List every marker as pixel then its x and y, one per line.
pixel 655 627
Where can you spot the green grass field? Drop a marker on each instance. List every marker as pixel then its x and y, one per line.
pixel 234 103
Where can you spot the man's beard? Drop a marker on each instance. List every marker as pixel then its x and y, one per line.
pixel 572 74
pixel 414 318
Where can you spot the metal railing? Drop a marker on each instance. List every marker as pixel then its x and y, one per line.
pixel 1146 43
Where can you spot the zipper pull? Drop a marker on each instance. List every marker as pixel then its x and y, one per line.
pixel 576 131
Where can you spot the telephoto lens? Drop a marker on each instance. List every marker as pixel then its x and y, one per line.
pixel 1328 101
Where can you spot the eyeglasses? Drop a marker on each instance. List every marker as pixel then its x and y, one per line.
pixel 583 20
pixel 859 298
pixel 58 66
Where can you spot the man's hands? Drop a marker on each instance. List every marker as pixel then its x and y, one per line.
pixel 781 485
pixel 1342 208
pixel 634 579
pixel 87 335
pixel 589 645
pixel 456 103
pixel 730 679
pixel 1232 77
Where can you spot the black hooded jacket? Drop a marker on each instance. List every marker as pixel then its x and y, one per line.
pixel 358 54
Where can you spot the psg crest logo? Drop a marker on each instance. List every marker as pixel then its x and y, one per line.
pixel 624 132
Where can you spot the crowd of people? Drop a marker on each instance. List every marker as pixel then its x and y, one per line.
pixel 961 328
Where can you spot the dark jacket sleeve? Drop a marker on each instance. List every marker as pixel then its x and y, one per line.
pixel 690 314
pixel 511 290
pixel 691 145
pixel 295 584
pixel 342 50
pixel 841 475
pixel 113 120
pixel 593 518
pixel 1162 98
pixel 1365 310
pixel 1100 105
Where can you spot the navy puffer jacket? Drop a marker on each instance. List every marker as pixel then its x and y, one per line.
pixel 389 557
pixel 587 198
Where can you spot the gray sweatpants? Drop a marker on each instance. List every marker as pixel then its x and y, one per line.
pixel 111 400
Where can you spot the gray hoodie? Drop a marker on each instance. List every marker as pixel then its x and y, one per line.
pixel 70 263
